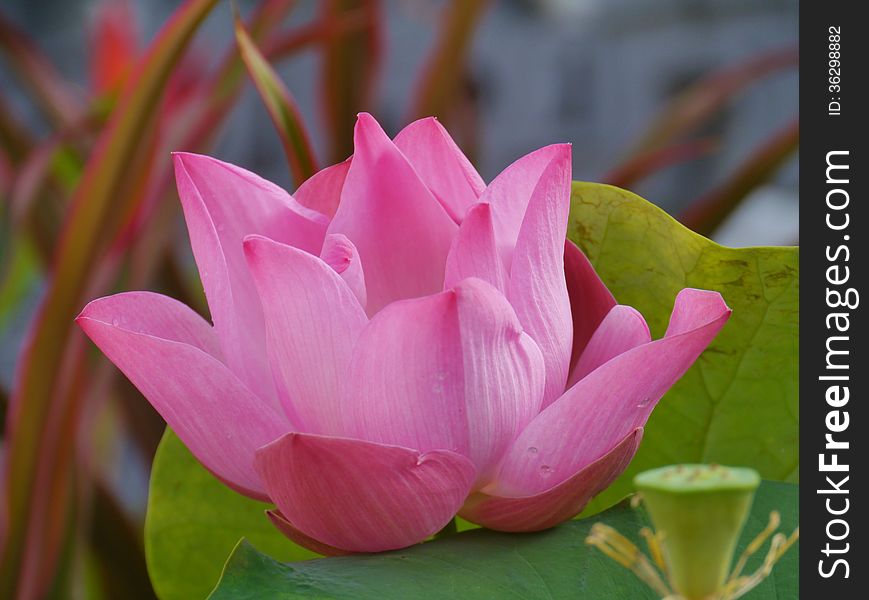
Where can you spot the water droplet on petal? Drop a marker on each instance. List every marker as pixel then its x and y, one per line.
pixel 116 322
pixel 545 470
pixel 532 450
pixel 644 403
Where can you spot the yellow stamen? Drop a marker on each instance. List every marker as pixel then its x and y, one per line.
pixel 623 551
pixel 756 544
pixel 736 587
pixel 653 541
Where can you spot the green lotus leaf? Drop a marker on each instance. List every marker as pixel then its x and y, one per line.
pixel 483 564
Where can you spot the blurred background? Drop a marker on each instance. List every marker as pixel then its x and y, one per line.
pixel 692 104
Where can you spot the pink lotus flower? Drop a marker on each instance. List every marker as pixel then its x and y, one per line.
pixel 398 342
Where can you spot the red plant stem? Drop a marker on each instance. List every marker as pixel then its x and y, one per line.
pixel 14 139
pixel 94 212
pixel 710 210
pixel 643 165
pixel 285 45
pixel 700 101
pixel 351 61
pixel 60 101
pixel 442 75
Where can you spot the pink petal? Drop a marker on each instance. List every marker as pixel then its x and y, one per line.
pixel 222 204
pixel 312 320
pixel 359 496
pixel 510 193
pixel 441 165
pixel 402 233
pixel 622 329
pixel 289 530
pixel 695 306
pixel 474 253
pixel 557 504
pixel 340 254
pixel 590 300
pixel 162 347
pixel 322 191
pixel 613 400
pixel 155 315
pixel 453 370
pixel 537 288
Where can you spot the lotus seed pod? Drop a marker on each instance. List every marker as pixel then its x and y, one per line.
pixel 699 510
